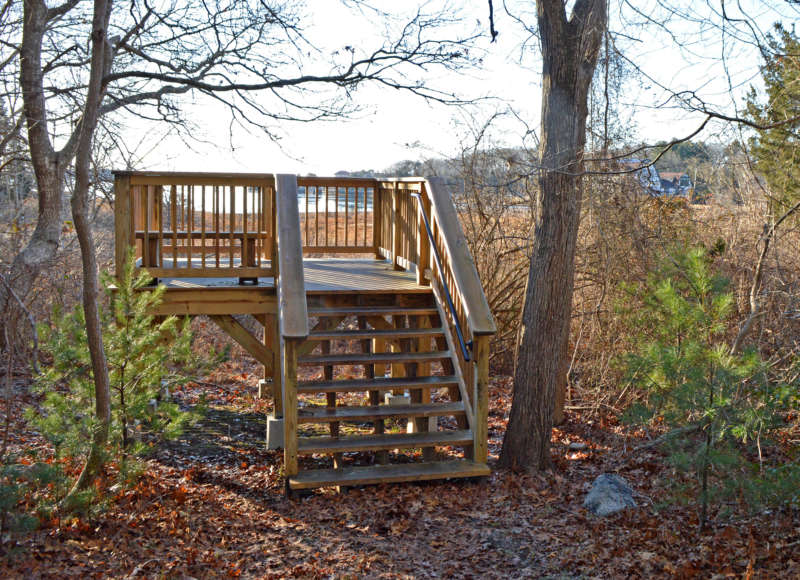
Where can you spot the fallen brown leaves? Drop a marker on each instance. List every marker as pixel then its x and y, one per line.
pixel 212 505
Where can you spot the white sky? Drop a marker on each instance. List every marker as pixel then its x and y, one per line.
pixel 393 126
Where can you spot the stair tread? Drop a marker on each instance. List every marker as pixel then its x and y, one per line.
pixel 378 384
pixel 372 310
pixel 367 412
pixel 372 358
pixel 374 442
pixel 374 474
pixel 374 333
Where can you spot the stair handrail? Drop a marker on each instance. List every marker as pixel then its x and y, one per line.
pixel 462 266
pixel 466 346
pixel 292 306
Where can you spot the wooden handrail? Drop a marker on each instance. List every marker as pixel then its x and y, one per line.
pixel 192 178
pixel 291 284
pixel 465 275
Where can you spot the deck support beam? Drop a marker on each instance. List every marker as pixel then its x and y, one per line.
pixel 250 343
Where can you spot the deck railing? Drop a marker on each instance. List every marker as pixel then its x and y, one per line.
pixel 196 225
pixel 402 237
pixel 235 225
pixel 336 215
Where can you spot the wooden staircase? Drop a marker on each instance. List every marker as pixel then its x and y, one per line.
pixel 360 352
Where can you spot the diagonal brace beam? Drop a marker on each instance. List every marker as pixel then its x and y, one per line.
pixel 250 343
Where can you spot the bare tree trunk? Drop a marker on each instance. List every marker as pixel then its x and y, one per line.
pixel 569 53
pixel 49 166
pixel 101 63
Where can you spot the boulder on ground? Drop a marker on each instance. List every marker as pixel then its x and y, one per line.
pixel 610 493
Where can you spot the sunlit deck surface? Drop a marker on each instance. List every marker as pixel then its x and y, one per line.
pixel 322 276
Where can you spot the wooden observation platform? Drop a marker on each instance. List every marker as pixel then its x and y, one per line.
pixel 367 283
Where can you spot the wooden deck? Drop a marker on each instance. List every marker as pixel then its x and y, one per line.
pixel 226 245
pixel 322 276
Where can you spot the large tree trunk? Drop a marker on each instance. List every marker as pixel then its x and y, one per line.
pixel 49 166
pixel 569 55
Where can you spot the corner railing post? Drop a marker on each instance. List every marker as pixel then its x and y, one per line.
pixel 423 243
pixel 481 398
pixel 292 307
pixel 397 238
pixel 377 220
pixel 122 221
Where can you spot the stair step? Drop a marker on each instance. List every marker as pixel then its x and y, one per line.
pixel 372 412
pixel 379 384
pixel 373 311
pixel 372 358
pixel 374 474
pixel 374 333
pixel 308 445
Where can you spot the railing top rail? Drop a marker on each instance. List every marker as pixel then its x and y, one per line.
pixel 170 174
pixel 193 178
pixel 304 179
pixel 291 283
pixel 465 275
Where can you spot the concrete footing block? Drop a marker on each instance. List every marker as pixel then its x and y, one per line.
pixel 274 432
pixel 391 399
pixel 264 388
pixel 433 425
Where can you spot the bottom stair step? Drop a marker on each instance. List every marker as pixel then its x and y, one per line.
pixel 374 474
pixel 308 445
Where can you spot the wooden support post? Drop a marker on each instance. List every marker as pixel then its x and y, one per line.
pixel 382 457
pixel 268 338
pixel 398 369
pixel 377 221
pixel 397 238
pixel 327 373
pixel 481 406
pixel 423 243
pixel 122 222
pixel 290 464
pixel 277 370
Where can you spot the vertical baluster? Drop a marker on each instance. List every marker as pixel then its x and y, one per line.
pixel 203 228
pixel 231 225
pixel 305 215
pixel 355 217
pixel 245 249
pixel 173 222
pixel 365 216
pixel 160 220
pixel 336 221
pixel 346 216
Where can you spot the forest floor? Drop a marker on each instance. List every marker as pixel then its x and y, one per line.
pixel 212 504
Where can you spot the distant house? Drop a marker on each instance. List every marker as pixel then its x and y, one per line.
pixel 646 174
pixel 675 183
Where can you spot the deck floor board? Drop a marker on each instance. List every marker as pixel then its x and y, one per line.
pixel 322 276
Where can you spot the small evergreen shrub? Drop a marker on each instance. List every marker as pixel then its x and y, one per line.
pixel 146 356
pixel 720 406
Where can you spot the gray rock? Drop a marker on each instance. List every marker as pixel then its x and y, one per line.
pixel 609 494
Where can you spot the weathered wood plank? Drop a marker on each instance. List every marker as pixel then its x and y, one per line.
pixel 308 445
pixel 373 412
pixel 375 474
pixel 292 293
pixel 122 222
